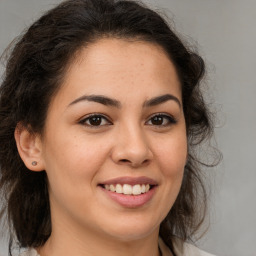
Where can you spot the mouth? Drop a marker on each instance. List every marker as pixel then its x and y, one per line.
pixel 128 189
pixel 130 192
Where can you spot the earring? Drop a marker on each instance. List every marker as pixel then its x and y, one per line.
pixel 34 163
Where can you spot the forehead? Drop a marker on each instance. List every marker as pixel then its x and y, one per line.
pixel 117 66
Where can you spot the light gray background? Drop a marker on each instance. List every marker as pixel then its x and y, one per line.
pixel 225 34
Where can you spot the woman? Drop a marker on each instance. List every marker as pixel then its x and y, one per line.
pixel 100 115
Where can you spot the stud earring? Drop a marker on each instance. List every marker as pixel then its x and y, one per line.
pixel 34 163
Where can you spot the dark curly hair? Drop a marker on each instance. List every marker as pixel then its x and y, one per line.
pixel 33 75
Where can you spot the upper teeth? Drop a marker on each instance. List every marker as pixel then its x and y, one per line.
pixel 128 189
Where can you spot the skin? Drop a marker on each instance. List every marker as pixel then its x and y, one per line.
pixel 77 156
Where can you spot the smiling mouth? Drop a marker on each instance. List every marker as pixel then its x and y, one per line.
pixel 127 189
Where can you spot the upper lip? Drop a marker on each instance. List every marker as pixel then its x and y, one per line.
pixel 130 180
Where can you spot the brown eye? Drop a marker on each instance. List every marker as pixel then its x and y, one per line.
pixel 161 120
pixel 95 120
pixel 157 120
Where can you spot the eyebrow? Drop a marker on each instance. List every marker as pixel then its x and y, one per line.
pixel 115 103
pixel 99 99
pixel 161 99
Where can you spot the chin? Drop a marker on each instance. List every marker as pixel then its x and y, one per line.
pixel 127 233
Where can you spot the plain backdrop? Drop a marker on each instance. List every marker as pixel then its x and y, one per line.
pixel 225 35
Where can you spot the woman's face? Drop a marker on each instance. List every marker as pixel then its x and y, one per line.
pixel 116 124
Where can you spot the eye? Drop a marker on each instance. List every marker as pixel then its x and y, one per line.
pixel 95 120
pixel 161 120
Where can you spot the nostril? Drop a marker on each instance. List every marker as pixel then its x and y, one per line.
pixel 124 161
pixel 145 161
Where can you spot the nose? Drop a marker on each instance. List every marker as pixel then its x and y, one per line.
pixel 131 148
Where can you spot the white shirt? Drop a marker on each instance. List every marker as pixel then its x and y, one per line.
pixel 181 249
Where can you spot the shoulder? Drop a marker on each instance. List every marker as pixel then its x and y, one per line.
pixel 181 249
pixel 29 252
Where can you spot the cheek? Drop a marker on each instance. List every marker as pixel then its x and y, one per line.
pixel 171 160
pixel 89 155
pixel 71 168
pixel 72 161
pixel 172 155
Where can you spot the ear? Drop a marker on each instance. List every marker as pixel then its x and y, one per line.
pixel 29 146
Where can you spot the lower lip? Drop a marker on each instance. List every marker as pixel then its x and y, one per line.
pixel 131 201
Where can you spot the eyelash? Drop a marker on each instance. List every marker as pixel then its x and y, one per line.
pixel 99 117
pixel 170 119
pixel 95 116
